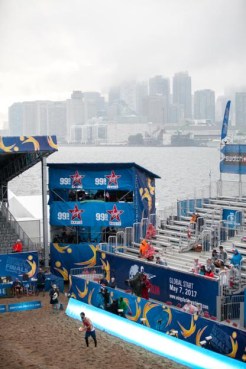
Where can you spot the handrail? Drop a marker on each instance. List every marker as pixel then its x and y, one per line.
pixel 27 242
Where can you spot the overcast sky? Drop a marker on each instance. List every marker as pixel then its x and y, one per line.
pixel 48 48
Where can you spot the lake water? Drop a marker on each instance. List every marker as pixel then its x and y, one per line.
pixel 183 170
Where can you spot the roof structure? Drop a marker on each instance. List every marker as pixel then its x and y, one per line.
pixel 17 154
pixel 97 166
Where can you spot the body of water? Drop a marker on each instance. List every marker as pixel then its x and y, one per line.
pixel 183 170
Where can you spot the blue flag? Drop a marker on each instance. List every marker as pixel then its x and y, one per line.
pixel 225 121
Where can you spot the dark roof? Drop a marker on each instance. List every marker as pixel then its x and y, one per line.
pixel 100 166
pixel 17 154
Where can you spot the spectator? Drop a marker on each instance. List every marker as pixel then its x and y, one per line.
pixel 189 308
pixel 40 282
pixel 160 261
pixel 17 287
pixel 202 270
pixel 209 265
pixel 112 283
pixel 143 248
pixel 103 281
pixel 224 276
pixel 196 266
pixel 236 259
pixel 17 247
pixel 113 308
pixel 89 329
pixel 145 283
pixel 209 273
pixel 122 306
pixel 199 310
pixel 214 257
pixel 54 297
pixel 222 257
pixel 105 294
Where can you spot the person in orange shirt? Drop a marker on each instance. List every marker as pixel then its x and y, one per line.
pixel 17 247
pixel 143 248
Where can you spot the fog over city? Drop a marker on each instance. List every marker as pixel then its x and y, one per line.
pixel 50 48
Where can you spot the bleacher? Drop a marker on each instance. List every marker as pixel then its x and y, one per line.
pixel 7 236
pixel 174 243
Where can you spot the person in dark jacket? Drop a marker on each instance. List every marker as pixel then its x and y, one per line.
pixel 54 297
pixel 40 282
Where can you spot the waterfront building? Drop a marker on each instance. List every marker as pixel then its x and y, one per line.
pixel 204 105
pixel 182 92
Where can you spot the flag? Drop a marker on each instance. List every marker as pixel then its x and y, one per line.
pixel 225 121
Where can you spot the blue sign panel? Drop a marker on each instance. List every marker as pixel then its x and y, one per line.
pixel 27 305
pixel 167 285
pixel 233 159
pixel 232 218
pixel 79 177
pixel 17 264
pixel 3 309
pixel 94 214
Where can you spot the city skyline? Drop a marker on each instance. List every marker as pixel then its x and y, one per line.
pixel 49 49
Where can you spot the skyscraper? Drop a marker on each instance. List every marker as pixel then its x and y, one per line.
pixel 204 105
pixel 182 92
pixel 240 110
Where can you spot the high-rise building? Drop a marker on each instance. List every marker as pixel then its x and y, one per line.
pixel 182 92
pixel 240 110
pixel 204 105
pixel 156 109
pixel 159 85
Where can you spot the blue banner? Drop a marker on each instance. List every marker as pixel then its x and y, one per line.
pixel 225 121
pixel 167 285
pixel 3 309
pixel 233 159
pixel 23 144
pixel 79 176
pixel 92 213
pixel 17 264
pixel 226 340
pixel 27 305
pixel 144 195
pixel 232 218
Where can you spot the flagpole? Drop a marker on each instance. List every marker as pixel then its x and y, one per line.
pixel 223 137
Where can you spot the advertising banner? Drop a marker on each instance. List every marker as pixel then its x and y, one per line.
pixel 167 285
pixel 27 305
pixel 233 159
pixel 92 213
pixel 16 264
pixel 77 177
pixel 194 329
pixel 3 309
pixel 145 195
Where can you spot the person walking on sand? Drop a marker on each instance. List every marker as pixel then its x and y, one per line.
pixel 88 328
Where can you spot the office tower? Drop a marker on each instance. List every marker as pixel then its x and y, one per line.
pixel 182 92
pixel 156 109
pixel 159 86
pixel 94 105
pixel 141 94
pixel 75 111
pixel 15 118
pixel 204 105
pixel 240 110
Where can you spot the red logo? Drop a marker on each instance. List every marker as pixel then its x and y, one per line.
pixel 76 212
pixel 112 179
pixel 115 214
pixel 76 179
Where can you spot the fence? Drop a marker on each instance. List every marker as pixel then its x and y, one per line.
pixel 95 273
pixel 232 308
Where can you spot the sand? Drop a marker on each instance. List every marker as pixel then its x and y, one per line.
pixel 42 339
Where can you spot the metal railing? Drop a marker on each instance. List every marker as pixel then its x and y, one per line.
pixel 15 226
pixel 94 273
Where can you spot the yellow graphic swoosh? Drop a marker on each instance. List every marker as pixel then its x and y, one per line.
pixel 188 332
pixel 199 335
pixel 92 261
pixel 32 140
pixel 82 294
pixel 170 315
pixel 51 143
pixel 137 315
pixel 5 148
pixel 234 345
pixel 147 307
pixel 63 272
pixel 60 249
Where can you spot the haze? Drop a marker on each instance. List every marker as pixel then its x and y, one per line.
pixel 50 48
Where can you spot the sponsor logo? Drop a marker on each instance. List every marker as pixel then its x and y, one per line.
pixel 76 215
pixel 115 216
pixel 112 180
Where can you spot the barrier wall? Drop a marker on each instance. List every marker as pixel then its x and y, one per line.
pixel 17 264
pixel 167 284
pixel 191 328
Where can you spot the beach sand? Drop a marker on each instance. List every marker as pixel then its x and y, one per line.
pixel 42 339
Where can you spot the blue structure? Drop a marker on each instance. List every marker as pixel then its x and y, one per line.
pixel 93 199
